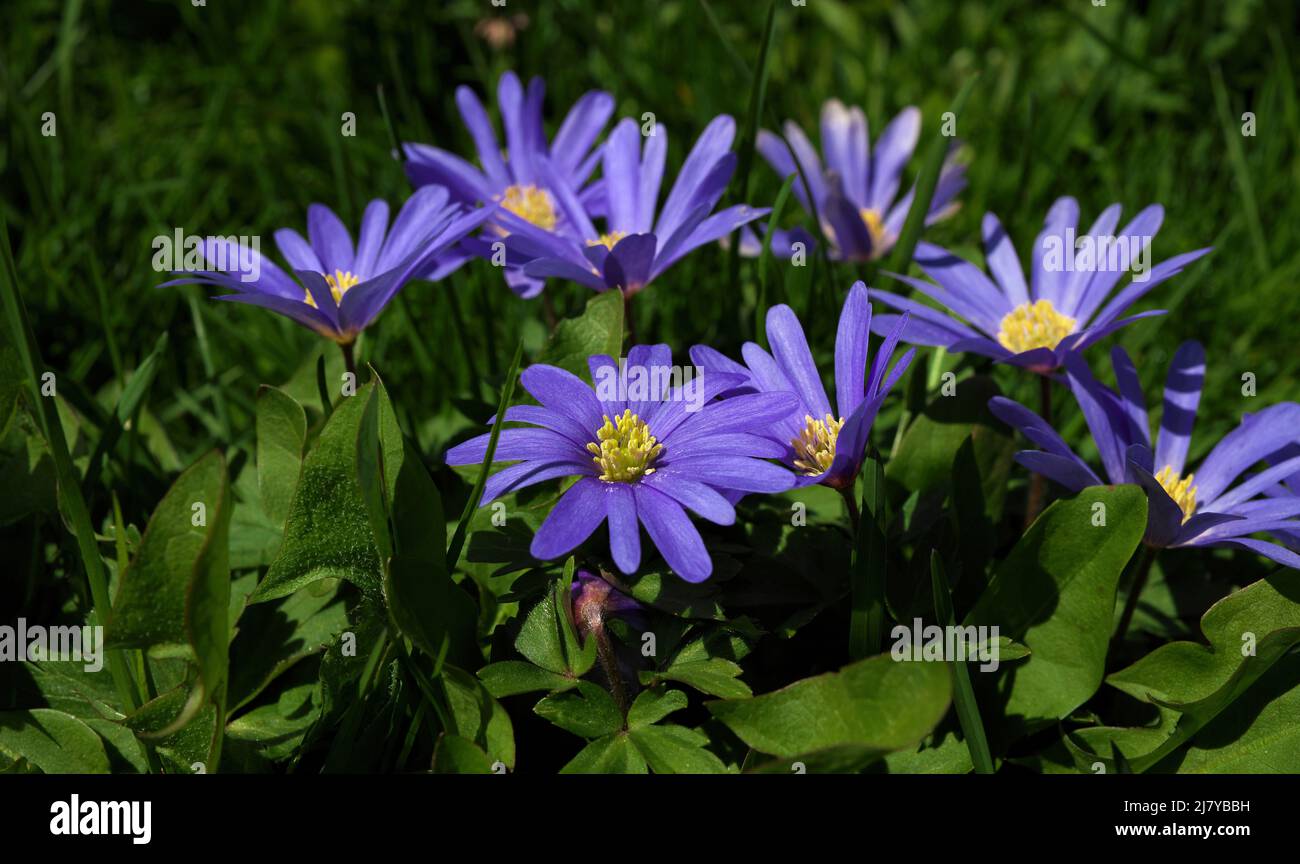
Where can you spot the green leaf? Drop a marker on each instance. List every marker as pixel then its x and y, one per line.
pixel 588 711
pixel 456 755
pixel 671 749
pixel 926 454
pixel 651 706
pixel 512 677
pixel 1256 734
pixel 478 717
pixel 177 590
pixel 430 610
pixel 327 533
pixel 281 435
pixel 1249 631
pixel 968 712
pixel 1055 594
pixel 613 754
pixel 867 709
pixel 52 741
pixel 272 637
pixel 598 330
pixel 716 676
pixel 547 636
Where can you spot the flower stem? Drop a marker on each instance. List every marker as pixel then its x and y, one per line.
pixel 1141 572
pixel 349 360
pixel 628 319
pixel 1037 482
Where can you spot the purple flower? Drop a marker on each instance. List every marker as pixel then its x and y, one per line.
pixel 1061 310
pixel 820 445
pixel 854 193
pixel 645 459
pixel 1200 508
pixel 636 246
pixel 341 289
pixel 533 180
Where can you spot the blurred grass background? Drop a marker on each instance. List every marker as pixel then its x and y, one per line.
pixel 226 119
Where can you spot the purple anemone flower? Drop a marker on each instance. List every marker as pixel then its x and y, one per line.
pixel 530 177
pixel 341 289
pixel 855 192
pixel 820 445
pixel 636 246
pixel 644 459
pixel 1060 312
pixel 1200 508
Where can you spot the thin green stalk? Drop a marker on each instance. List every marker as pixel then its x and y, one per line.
pixel 867 570
pixel 963 697
pixel 1141 572
pixel 462 527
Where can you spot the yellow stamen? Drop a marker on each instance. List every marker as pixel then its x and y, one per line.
pixel 1034 325
pixel 339 283
pixel 609 241
pixel 624 449
pixel 814 449
pixel 530 204
pixel 1180 489
pixel 876 228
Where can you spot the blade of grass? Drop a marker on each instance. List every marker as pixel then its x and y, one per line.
pixel 462 527
pixel 935 153
pixel 745 144
pixel 135 390
pixel 69 483
pixel 968 712
pixel 1237 156
pixel 764 260
pixel 867 571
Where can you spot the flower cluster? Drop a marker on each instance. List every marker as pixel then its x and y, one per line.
pixel 764 423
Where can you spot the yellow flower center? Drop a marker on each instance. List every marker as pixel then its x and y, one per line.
pixel 875 227
pixel 1180 489
pixel 339 283
pixel 814 449
pixel 624 449
pixel 609 241
pixel 530 204
pixel 1034 325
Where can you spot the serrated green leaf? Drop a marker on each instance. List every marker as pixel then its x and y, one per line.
pixel 512 677
pixel 1191 683
pixel 671 749
pixel 613 754
pixel 651 706
pixel 587 711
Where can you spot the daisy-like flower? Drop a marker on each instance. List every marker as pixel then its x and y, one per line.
pixel 820 445
pixel 855 192
pixel 1060 311
pixel 639 461
pixel 341 288
pixel 1185 508
pixel 514 176
pixel 636 246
